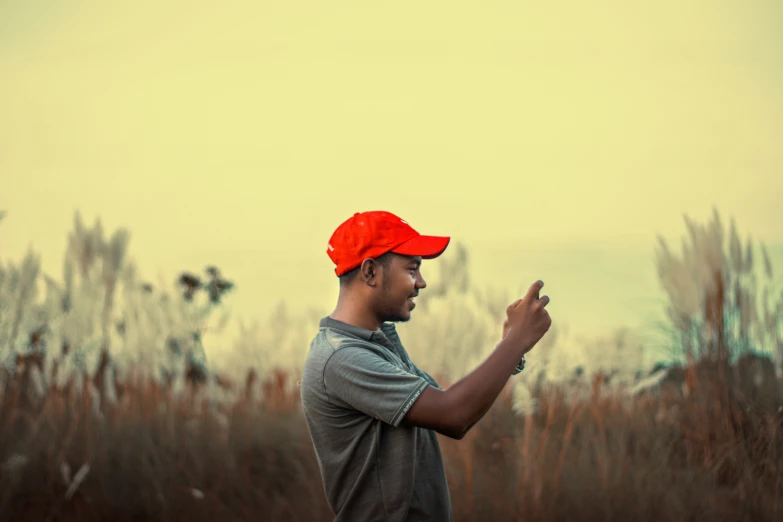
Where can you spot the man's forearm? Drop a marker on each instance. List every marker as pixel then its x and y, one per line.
pixel 474 394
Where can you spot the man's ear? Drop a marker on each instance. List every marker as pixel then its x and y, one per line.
pixel 369 272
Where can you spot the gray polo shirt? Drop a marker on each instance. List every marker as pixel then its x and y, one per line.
pixel 357 385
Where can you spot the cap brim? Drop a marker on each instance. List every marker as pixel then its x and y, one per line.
pixel 428 247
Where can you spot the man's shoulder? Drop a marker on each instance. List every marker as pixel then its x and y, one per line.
pixel 337 355
pixel 329 341
pixel 322 346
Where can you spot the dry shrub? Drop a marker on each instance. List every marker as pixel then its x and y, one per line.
pixel 154 455
pixel 708 454
pixel 703 443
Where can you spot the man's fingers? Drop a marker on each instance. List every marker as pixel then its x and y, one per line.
pixel 544 301
pixel 535 288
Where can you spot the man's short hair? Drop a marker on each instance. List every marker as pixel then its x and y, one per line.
pixel 348 277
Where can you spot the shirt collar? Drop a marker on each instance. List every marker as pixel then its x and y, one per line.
pixel 387 329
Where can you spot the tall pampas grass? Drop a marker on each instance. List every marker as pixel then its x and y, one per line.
pixel 112 406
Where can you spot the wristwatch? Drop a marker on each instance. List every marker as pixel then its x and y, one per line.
pixel 519 367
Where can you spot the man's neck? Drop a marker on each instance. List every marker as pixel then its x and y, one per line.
pixel 350 313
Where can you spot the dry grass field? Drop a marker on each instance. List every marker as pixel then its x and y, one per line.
pixel 108 410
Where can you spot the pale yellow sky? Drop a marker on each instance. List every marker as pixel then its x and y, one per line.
pixel 243 133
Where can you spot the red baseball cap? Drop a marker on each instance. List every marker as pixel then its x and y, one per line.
pixel 374 233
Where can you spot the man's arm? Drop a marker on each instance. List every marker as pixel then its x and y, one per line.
pixel 452 412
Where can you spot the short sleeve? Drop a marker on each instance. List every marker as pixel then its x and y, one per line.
pixel 371 384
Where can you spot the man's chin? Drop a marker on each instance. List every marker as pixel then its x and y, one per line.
pixel 399 318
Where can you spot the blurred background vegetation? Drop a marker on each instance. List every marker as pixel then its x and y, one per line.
pixel 109 402
pixel 722 300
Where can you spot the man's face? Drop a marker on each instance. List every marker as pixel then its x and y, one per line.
pixel 402 281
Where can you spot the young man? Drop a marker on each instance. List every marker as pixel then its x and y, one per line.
pixel 372 413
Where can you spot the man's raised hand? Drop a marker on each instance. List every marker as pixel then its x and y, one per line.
pixel 527 319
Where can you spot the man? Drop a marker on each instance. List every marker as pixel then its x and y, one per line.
pixel 373 415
